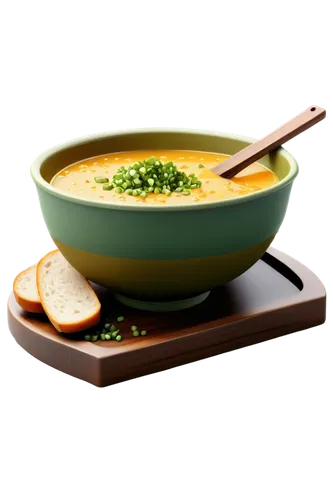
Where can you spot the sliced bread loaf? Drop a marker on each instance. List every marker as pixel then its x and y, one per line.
pixel 26 292
pixel 66 296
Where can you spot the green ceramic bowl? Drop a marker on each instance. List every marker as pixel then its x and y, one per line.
pixel 162 253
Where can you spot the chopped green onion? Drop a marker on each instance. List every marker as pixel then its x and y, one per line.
pixel 118 338
pixel 143 332
pixel 150 176
pixel 133 328
pixel 101 180
pixel 120 318
pixel 151 160
pixel 136 333
pixel 87 337
pixel 102 336
pixel 201 165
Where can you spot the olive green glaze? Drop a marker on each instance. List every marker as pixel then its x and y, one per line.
pixel 162 278
pixel 101 238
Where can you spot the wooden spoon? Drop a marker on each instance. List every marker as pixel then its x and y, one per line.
pixel 257 150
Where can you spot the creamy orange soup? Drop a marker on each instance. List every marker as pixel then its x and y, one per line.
pixel 79 179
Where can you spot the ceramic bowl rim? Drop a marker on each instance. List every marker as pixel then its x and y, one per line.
pixel 46 186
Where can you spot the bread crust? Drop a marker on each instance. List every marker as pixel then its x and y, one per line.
pixel 73 327
pixel 33 306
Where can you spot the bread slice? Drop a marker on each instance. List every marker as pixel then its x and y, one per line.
pixel 67 297
pixel 26 292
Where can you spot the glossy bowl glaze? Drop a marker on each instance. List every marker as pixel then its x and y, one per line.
pixel 161 252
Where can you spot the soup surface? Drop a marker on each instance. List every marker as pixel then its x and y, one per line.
pixel 78 179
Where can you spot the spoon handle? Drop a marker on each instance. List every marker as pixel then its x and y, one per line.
pixel 258 149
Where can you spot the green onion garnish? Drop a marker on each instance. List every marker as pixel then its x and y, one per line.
pixel 101 180
pixel 150 176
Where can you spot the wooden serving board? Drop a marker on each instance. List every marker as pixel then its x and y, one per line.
pixel 278 295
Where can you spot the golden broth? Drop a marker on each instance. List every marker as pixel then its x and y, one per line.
pixel 78 179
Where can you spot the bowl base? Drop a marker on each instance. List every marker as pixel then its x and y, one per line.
pixel 173 305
